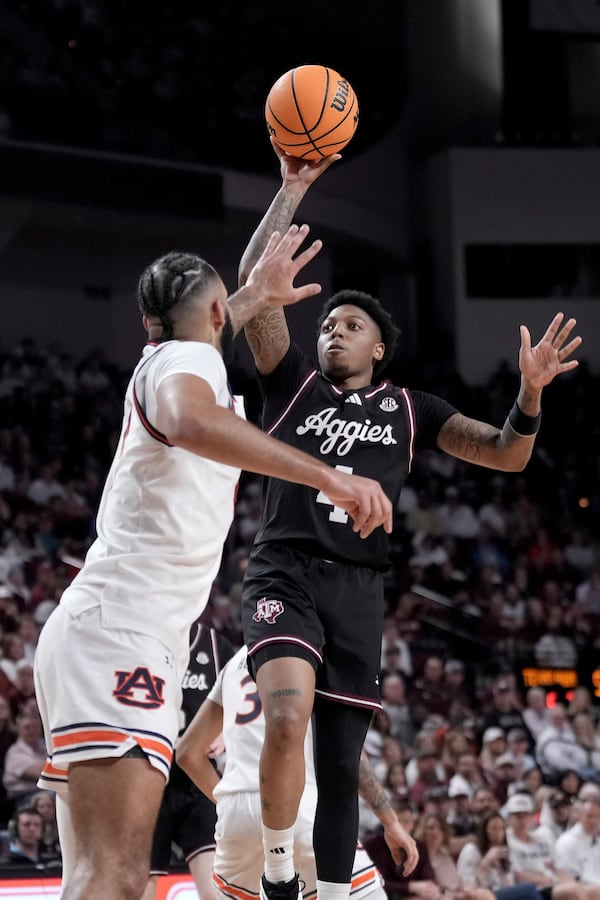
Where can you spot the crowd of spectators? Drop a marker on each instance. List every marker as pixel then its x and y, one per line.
pixel 491 575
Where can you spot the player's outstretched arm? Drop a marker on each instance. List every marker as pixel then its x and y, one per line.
pixel 192 751
pixel 189 418
pixel 402 846
pixel 270 283
pixel 267 334
pixel 509 449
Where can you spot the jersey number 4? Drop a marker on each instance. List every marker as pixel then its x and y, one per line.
pixel 337 514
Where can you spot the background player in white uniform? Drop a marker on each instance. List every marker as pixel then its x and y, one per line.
pixel 111 658
pixel 233 707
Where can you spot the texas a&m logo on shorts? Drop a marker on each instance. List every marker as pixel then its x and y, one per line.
pixel 268 610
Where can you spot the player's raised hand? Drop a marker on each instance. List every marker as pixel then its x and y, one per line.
pixel 363 499
pixel 302 171
pixel 272 276
pixel 539 365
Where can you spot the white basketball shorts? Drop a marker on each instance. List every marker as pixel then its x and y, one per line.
pixel 102 691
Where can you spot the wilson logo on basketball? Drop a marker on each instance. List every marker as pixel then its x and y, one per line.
pixel 139 688
pixel 341 96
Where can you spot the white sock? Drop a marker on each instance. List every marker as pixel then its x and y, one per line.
pixel 279 854
pixel 329 890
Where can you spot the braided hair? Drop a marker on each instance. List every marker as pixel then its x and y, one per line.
pixel 373 308
pixel 169 282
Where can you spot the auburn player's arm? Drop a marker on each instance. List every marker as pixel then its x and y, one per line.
pixel 270 282
pixel 192 751
pixel 510 447
pixel 189 417
pixel 267 334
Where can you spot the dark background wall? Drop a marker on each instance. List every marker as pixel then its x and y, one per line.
pixel 132 130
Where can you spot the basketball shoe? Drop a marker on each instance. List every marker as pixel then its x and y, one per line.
pixel 281 890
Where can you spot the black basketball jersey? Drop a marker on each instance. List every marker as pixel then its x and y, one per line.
pixel 209 652
pixel 374 432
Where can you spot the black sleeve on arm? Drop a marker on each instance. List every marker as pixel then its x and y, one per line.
pixel 431 413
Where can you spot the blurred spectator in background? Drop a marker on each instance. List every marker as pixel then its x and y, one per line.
pixel 493 746
pixel 577 850
pixel 555 647
pixel 555 816
pixel 587 734
pixel 44 802
pixel 397 708
pixel 570 781
pixel 427 695
pixel 24 691
pixel 458 518
pixel 455 687
pixel 494 512
pixel 435 835
pixel 485 862
pixel 391 754
pixel 395 651
pixel 460 818
pixel 556 748
pixel 425 518
pixel 517 744
pixel 24 760
pixel 581 702
pixel 504 777
pixel 532 780
pixel 13 651
pixel 505 710
pixel 454 744
pixel 587 594
pixel 468 773
pixel 395 782
pixel 25 839
pixel 483 801
pixel 531 858
pixel 427 777
pixel 580 551
pixel 536 714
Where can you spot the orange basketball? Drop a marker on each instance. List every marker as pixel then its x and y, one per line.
pixel 311 112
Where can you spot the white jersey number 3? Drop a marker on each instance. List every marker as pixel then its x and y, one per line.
pixel 337 514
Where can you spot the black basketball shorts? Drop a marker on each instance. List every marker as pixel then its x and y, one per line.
pixel 188 818
pixel 329 613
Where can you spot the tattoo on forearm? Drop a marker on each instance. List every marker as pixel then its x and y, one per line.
pixel 286 692
pixel 277 218
pixel 267 334
pixel 370 788
pixel 465 439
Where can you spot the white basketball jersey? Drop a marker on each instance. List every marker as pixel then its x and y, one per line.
pixel 244 729
pixel 164 513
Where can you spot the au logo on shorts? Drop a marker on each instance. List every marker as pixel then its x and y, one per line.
pixel 139 688
pixel 268 610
